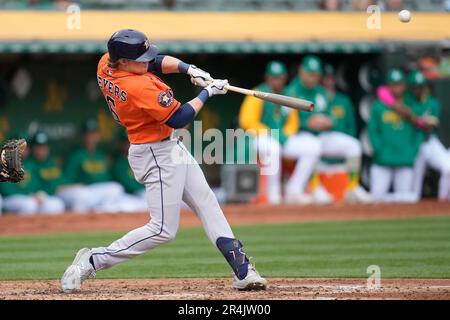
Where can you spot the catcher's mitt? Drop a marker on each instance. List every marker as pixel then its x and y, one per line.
pixel 11 160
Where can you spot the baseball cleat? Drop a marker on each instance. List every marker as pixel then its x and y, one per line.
pixel 253 281
pixel 80 270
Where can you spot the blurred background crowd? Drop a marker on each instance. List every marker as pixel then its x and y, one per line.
pixel 232 5
pixel 401 127
pixel 379 133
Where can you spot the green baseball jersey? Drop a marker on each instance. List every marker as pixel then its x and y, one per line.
pixel 430 106
pixel 124 175
pixel 87 167
pixel 318 95
pixel 49 174
pixel 342 114
pixel 274 116
pixel 395 141
pixel 29 185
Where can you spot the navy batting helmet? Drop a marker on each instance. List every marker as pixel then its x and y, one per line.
pixel 132 45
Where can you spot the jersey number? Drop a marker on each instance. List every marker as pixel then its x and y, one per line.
pixel 112 106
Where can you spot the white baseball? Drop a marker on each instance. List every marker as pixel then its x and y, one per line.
pixel 404 15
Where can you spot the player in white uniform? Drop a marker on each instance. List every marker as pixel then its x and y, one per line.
pixel 146 107
pixel 395 142
pixel 321 125
pixel 432 152
pixel 262 116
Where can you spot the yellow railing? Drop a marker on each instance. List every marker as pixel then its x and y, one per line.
pixel 216 26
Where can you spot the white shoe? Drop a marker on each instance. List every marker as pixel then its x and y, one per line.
pixel 253 281
pixel 321 196
pixel 298 198
pixel 80 270
pixel 358 195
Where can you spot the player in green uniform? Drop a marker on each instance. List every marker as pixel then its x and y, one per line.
pixel 343 132
pixel 341 109
pixel 432 152
pixel 36 193
pixel 88 167
pixel 395 143
pixel 328 123
pixel 88 164
pixel 262 116
pixel 50 175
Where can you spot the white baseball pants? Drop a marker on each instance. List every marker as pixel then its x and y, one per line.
pixel 29 205
pixel 382 177
pixel 434 154
pixel 170 174
pixel 306 149
pixel 340 145
pixel 100 197
pixel 303 147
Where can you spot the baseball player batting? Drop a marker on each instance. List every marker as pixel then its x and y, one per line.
pixel 147 108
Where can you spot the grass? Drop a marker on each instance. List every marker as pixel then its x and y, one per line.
pixel 407 248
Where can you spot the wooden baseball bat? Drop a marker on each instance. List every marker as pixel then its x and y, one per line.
pixel 291 102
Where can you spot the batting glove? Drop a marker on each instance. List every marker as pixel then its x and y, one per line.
pixel 217 87
pixel 198 76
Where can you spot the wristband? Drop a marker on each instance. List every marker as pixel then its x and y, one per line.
pixel 183 67
pixel 203 95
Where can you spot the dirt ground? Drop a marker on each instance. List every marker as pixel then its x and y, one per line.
pixel 206 289
pixel 236 215
pixel 198 289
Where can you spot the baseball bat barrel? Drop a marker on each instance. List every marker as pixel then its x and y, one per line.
pixel 295 103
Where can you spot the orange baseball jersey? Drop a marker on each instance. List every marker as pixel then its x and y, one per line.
pixel 140 103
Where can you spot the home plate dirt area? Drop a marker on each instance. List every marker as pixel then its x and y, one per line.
pixel 205 289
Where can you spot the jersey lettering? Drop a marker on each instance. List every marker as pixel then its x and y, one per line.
pixel 142 103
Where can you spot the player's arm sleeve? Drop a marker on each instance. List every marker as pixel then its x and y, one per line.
pixel 156 66
pixel 250 114
pixel 171 65
pixel 374 128
pixel 350 115
pixel 182 117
